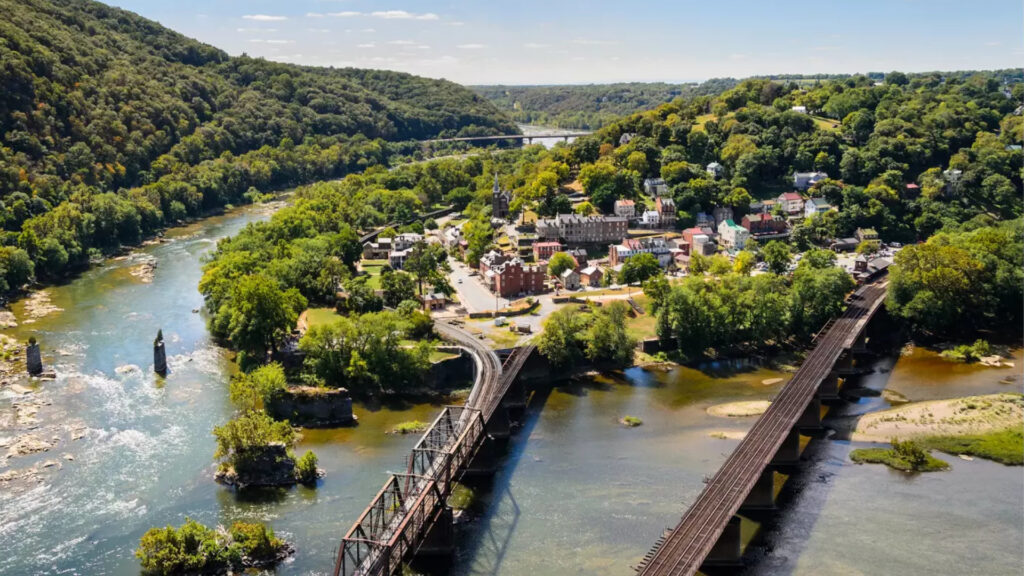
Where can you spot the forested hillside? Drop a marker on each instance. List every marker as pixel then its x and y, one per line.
pixel 591 106
pixel 113 126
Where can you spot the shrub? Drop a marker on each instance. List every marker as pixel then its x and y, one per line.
pixel 256 540
pixel 631 421
pixel 189 548
pixel 410 427
pixel 305 468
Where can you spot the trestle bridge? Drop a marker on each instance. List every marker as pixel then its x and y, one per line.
pixel 410 515
pixel 708 535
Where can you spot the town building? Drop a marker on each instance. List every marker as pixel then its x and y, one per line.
pixel 799 109
pixel 397 258
pixel 500 200
pixel 570 279
pixel 763 226
pixel 655 187
pixel 714 170
pixel 625 208
pixel 804 180
pixel 591 276
pixel 816 206
pixel 721 213
pixel 575 229
pixel 626 138
pixel 386 247
pixel 450 237
pixel 656 246
pixel 435 301
pixel 666 208
pixel 545 250
pixel 733 236
pixel 705 220
pixel 791 202
pixel 378 250
pixel 866 235
pixel 650 219
pixel 690 233
pixel 579 256
pixel 508 276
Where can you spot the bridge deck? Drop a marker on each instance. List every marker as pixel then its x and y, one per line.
pixel 682 552
pixel 398 518
pixel 509 137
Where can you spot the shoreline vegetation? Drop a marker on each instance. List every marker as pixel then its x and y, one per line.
pixel 988 426
pixel 193 548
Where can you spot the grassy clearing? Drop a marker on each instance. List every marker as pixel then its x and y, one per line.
pixel 439 355
pixel 1004 446
pixel 826 123
pixel 703 119
pixel 319 316
pixel 410 427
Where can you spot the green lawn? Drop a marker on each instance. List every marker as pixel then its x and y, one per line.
pixel 319 316
pixel 826 123
pixel 372 269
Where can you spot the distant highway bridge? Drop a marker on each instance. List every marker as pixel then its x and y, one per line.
pixel 708 535
pixel 410 514
pixel 528 137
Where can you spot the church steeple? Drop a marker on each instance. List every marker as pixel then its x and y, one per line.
pixel 497 188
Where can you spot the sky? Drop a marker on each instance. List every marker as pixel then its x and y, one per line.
pixel 599 41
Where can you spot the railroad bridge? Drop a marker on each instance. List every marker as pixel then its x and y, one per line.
pixel 529 138
pixel 708 535
pixel 410 514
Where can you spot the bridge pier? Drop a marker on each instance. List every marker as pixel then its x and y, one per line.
pixel 728 549
pixel 811 418
pixel 439 539
pixel 828 389
pixel 762 495
pixel 500 424
pixel 486 460
pixel 789 452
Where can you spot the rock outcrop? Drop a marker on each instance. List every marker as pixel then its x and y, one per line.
pixel 270 465
pixel 313 407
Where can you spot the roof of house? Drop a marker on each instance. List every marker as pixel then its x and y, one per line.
pixel 550 243
pixel 624 203
pixel 714 166
pixel 654 181
pixel 590 270
pixel 567 273
pixel 730 224
pixel 819 202
pixel 790 196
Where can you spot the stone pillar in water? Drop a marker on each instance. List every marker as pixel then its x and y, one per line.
pixel 33 359
pixel 159 354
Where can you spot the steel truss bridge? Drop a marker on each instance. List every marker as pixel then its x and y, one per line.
pixel 396 523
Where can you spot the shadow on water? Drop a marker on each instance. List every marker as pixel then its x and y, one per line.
pixel 789 526
pixel 486 538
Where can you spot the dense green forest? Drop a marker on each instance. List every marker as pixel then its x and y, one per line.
pixel 591 106
pixel 114 126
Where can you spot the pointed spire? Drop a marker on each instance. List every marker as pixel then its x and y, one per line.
pixel 497 188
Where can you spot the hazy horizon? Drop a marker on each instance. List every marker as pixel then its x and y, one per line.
pixel 577 42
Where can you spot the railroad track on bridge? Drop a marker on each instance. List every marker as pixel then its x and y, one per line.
pixel 682 551
pixel 394 524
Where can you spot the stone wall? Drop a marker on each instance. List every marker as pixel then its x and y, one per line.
pixel 313 407
pixel 267 466
pixel 451 373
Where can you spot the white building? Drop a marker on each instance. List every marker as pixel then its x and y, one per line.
pixel 799 109
pixel 650 219
pixel 816 206
pixel 732 235
pixel 714 170
pixel 791 202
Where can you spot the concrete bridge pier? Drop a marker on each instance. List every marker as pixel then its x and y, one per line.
pixel 789 452
pixel 762 495
pixel 828 389
pixel 485 462
pixel 811 418
pixel 440 537
pixel 500 424
pixel 728 550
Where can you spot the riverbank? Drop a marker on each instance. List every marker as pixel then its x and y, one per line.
pixel 966 416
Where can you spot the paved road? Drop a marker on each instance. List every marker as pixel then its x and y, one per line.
pixel 472 293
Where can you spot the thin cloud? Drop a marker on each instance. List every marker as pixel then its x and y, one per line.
pixel 367 45
pixel 264 17
pixel 470 46
pixel 403 15
pixel 314 15
pixel 346 14
pixel 247 30
pixel 534 45
pixel 402 42
pixel 592 42
pixel 262 41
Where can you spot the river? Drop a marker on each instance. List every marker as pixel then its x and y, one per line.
pixel 578 493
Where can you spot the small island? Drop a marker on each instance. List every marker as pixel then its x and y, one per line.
pixel 907 456
pixel 193 548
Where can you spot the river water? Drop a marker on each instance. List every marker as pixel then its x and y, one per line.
pixel 577 494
